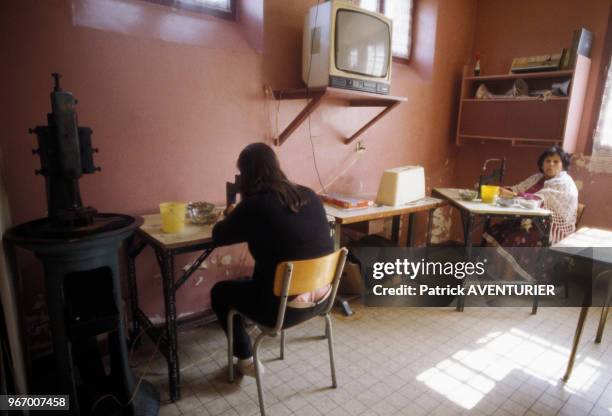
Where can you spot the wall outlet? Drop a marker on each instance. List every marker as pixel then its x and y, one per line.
pixel 360 147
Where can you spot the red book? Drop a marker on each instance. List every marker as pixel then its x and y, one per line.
pixel 344 201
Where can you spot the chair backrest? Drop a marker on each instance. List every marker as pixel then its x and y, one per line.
pixel 495 177
pixel 309 275
pixel 579 213
pixel 302 276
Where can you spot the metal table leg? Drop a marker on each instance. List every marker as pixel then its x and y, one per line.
pixel 411 228
pixel 341 300
pixel 467 239
pixel 395 229
pixel 430 216
pixel 167 269
pixel 570 365
pixel 605 307
pixel 602 323
pixel 132 252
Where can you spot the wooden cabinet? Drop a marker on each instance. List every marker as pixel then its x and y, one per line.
pixel 524 121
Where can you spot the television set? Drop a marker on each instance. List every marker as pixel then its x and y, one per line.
pixel 345 46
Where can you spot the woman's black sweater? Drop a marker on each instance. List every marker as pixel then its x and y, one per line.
pixel 274 233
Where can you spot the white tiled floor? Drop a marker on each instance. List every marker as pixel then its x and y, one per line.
pixel 412 361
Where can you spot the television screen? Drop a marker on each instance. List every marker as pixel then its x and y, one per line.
pixel 363 43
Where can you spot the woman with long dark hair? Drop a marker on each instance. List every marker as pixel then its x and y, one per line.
pixel 279 221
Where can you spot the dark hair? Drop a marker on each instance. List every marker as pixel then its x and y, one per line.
pixel 555 150
pixel 260 172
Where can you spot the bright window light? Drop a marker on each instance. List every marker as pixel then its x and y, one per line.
pixel 216 4
pixel 469 375
pixel 603 131
pixel 371 5
pixel 220 8
pixel 400 11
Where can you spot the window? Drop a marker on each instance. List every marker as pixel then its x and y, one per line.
pixel 602 140
pixel 225 9
pixel 400 11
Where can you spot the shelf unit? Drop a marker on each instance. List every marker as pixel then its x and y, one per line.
pixel 523 121
pixel 351 98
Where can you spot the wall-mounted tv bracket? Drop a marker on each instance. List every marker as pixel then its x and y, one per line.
pixel 352 98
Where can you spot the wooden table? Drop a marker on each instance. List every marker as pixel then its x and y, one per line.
pixel 192 238
pixel 342 217
pixel 351 216
pixel 476 208
pixel 472 210
pixel 594 245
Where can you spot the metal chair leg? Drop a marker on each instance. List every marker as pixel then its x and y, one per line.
pixel 230 345
pixel 260 393
pixel 282 346
pixel 330 342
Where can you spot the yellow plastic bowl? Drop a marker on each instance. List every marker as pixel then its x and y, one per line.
pixel 173 216
pixel 488 193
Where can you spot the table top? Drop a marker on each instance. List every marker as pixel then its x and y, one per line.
pixel 191 235
pixel 478 207
pixel 590 243
pixel 350 216
pixel 202 234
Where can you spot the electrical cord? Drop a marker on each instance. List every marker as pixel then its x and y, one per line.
pixel 308 99
pixel 354 158
pixel 142 376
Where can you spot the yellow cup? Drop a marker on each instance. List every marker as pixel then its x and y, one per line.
pixel 173 216
pixel 488 193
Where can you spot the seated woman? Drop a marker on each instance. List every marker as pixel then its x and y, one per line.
pixel 557 192
pixel 279 221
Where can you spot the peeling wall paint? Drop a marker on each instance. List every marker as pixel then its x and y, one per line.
pixel 599 164
pixel 441 226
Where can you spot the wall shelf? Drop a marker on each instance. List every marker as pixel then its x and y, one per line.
pixel 352 99
pixel 501 100
pixel 527 75
pixel 518 141
pixel 528 121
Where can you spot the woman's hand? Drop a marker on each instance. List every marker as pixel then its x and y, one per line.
pixel 507 193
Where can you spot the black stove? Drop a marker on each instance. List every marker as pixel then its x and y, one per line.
pixel 79 250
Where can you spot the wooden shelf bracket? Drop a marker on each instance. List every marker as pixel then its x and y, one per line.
pixel 352 98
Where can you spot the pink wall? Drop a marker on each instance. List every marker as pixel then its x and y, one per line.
pixel 525 27
pixel 417 132
pixel 173 97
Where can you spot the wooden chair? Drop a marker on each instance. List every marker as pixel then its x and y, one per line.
pixel 495 177
pixel 293 278
pixel 579 213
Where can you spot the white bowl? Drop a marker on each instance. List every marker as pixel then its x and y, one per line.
pixel 529 203
pixel 506 202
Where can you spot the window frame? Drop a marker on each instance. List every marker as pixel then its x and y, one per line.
pixel 401 59
pixel 179 5
pixel 600 85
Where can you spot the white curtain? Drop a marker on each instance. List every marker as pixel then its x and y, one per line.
pixel 602 139
pixel 7 295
